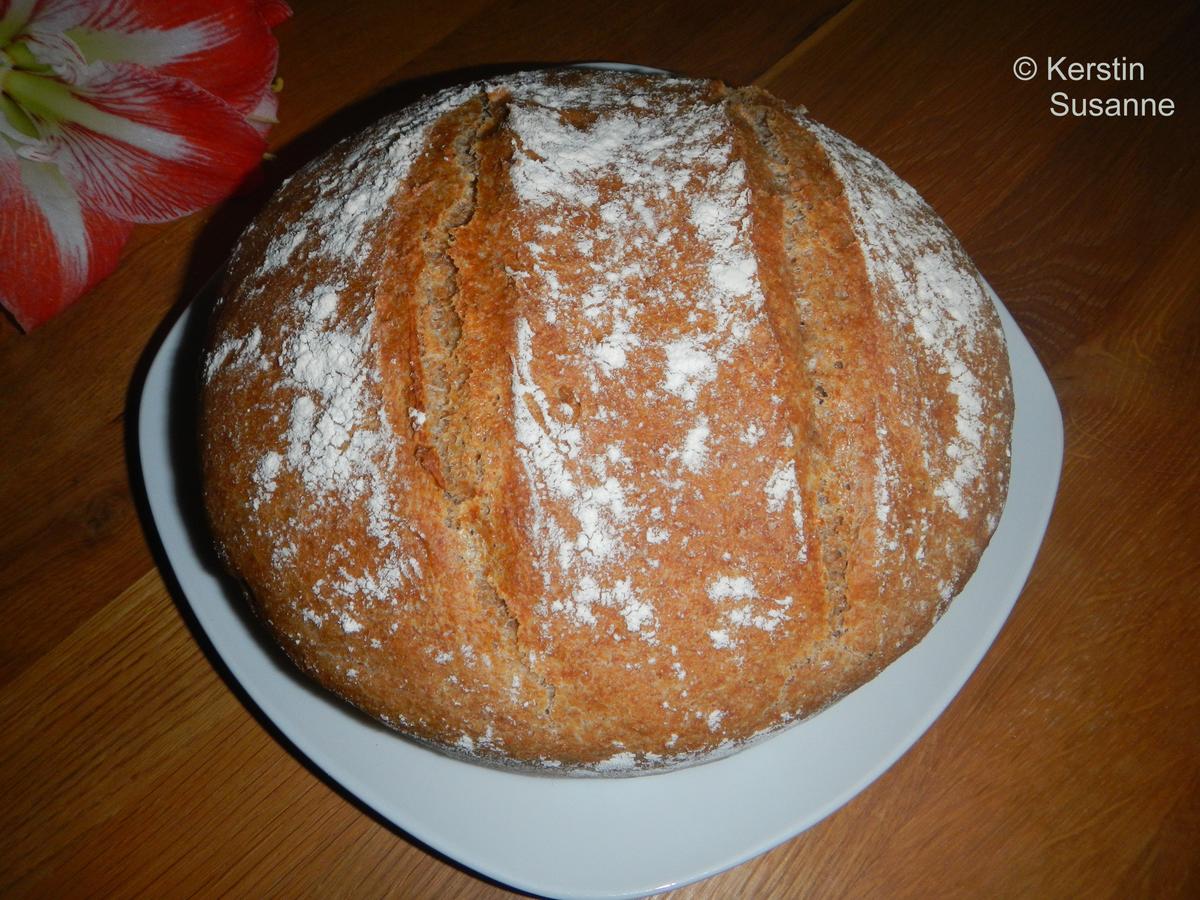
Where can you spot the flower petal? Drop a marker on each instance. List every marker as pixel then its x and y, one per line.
pixel 149 148
pixel 58 52
pixel 263 116
pixel 52 249
pixel 224 46
pixel 273 12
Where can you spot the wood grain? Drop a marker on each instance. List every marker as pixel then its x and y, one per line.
pixel 1067 766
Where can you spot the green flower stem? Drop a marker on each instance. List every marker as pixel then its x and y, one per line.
pixel 23 58
pixel 16 117
pixel 54 101
pixel 17 18
pixel 41 96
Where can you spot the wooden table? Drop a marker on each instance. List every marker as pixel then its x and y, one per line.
pixel 1070 762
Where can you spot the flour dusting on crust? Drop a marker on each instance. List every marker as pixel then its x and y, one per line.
pixel 909 251
pixel 334 435
pixel 638 188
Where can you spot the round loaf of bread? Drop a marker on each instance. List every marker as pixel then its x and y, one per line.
pixel 600 422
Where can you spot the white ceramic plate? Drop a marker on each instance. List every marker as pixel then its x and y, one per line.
pixel 602 837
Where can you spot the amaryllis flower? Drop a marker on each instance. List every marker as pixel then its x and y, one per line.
pixel 115 112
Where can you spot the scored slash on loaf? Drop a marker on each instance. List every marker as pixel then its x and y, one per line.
pixel 600 423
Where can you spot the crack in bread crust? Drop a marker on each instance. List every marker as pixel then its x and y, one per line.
pixel 443 246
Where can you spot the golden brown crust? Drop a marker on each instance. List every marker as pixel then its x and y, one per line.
pixel 591 419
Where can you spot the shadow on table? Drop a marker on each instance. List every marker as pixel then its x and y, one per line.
pixel 212 247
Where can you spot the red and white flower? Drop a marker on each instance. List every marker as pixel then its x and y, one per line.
pixel 116 112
